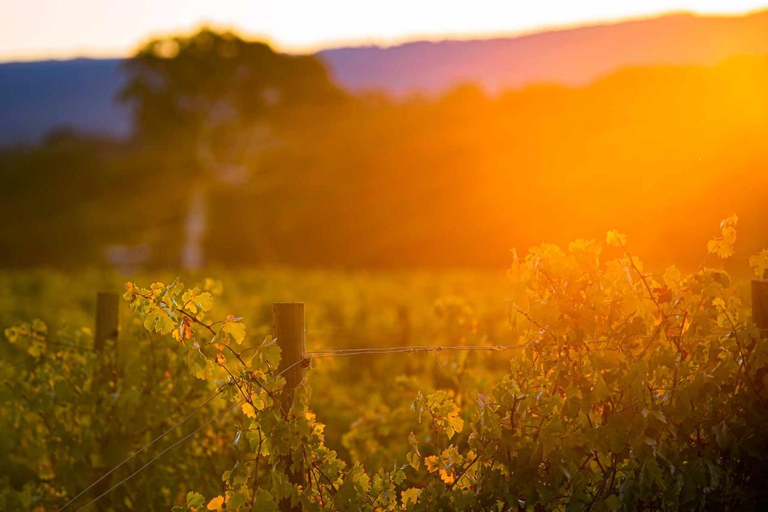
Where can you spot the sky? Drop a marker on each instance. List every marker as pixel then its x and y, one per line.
pixel 41 29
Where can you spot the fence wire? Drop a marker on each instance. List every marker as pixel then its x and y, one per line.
pixel 190 415
pixel 319 354
pixel 137 452
pixel 310 355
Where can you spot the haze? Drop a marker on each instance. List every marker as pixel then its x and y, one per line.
pixel 43 29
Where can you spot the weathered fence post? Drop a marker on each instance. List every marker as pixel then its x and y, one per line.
pixel 760 305
pixel 107 314
pixel 288 328
pixel 107 327
pixel 106 346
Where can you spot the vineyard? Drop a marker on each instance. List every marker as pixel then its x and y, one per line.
pixel 581 381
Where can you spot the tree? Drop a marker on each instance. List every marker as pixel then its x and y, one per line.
pixel 217 101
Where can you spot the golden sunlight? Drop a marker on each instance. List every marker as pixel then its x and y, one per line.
pixel 413 255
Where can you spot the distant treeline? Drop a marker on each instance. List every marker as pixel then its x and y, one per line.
pixel 295 171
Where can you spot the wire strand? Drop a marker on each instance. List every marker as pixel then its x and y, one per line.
pixel 313 354
pixel 153 459
pixel 142 449
pixel 224 412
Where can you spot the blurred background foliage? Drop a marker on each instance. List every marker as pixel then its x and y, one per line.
pixel 291 170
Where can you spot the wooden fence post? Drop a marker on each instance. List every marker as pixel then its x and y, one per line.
pixel 107 314
pixel 107 327
pixel 760 305
pixel 288 329
pixel 106 346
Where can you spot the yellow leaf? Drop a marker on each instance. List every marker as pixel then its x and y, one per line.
pixel 157 289
pixel 205 301
pixel 720 247
pixel 446 477
pixel 723 245
pixel 759 263
pixel 235 329
pixel 216 503
pixel 615 238
pixel 195 300
pixel 249 411
pixel 410 496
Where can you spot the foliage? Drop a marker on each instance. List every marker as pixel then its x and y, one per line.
pixel 70 414
pixel 624 389
pixel 183 87
pixel 442 181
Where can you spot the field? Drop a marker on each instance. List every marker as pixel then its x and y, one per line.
pixel 295 256
pixel 597 385
pixel 344 309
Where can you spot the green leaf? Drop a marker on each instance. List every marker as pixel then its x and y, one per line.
pixel 601 390
pixel 413 459
pixel 612 502
pixel 722 435
pixel 269 352
pixel 195 500
pixel 281 484
pixel 157 319
pixel 199 365
pixel 264 502
pixel 236 499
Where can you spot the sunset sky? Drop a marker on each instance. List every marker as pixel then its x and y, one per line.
pixel 38 29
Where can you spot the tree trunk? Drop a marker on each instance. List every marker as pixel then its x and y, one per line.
pixel 195 226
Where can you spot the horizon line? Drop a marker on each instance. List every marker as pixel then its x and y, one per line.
pixel 380 43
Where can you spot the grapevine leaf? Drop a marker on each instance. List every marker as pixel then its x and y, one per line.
pixel 410 496
pixel 195 500
pixel 236 500
pixel 249 411
pixel 216 503
pixel 615 239
pixel 264 502
pixel 234 329
pixel 759 263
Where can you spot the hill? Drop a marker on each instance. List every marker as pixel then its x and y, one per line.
pixel 570 57
pixel 37 97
